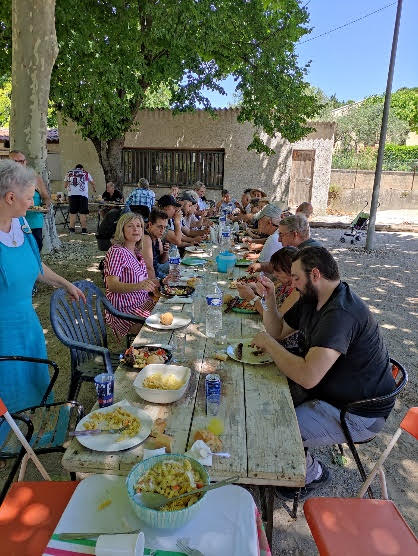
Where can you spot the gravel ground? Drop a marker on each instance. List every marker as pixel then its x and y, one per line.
pixel 385 279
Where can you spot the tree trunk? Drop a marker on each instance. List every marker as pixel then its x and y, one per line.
pixel 34 50
pixel 110 157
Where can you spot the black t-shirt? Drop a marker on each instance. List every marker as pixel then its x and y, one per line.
pixel 345 324
pixel 310 242
pixel 114 198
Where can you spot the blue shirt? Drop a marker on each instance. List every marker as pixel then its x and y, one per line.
pixel 144 197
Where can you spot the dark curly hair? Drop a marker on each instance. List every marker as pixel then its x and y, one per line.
pixel 282 259
pixel 320 258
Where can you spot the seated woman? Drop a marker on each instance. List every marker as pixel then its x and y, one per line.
pixel 286 295
pixel 128 287
pixel 155 252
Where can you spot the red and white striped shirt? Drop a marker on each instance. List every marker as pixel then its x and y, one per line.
pixel 130 269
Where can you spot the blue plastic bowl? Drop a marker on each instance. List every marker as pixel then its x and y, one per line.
pixel 157 518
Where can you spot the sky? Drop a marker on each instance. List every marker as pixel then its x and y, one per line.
pixel 353 62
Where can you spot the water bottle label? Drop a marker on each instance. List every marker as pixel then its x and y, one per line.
pixel 213 301
pixel 225 233
pixel 174 261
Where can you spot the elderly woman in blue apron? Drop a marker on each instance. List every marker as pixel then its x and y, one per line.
pixel 22 384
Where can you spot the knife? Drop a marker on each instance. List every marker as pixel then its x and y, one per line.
pixel 70 536
pixel 93 432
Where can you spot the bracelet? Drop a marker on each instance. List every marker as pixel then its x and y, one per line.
pixel 254 300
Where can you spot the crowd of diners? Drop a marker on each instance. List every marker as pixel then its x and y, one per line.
pixel 318 331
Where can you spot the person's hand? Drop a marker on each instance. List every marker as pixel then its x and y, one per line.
pixel 265 287
pixel 75 293
pixel 245 291
pixel 255 267
pixel 149 285
pixel 166 247
pixel 178 215
pixel 261 341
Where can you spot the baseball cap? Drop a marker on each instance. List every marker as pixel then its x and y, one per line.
pixel 187 197
pixel 271 211
pixel 167 200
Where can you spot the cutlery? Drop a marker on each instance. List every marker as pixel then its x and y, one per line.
pixel 184 547
pixel 70 536
pixel 263 299
pixel 93 432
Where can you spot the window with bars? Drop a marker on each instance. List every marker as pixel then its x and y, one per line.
pixel 173 166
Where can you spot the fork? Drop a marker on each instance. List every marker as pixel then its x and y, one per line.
pixel 263 298
pixel 184 547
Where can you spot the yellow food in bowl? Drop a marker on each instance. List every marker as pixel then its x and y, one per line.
pixel 159 381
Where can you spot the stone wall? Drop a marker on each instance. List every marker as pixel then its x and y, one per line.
pixel 199 130
pixel 351 189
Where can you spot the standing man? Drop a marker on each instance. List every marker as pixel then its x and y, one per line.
pixel 77 182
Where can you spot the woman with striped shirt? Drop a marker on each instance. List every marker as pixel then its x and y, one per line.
pixel 128 287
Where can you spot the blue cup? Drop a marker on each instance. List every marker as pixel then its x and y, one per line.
pixel 104 384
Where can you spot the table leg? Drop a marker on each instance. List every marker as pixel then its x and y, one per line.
pixel 267 506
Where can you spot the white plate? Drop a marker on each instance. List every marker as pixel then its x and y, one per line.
pixel 162 396
pixel 107 442
pixel 180 320
pixel 194 249
pixel 248 358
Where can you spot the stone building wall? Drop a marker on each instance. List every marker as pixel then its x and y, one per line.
pixel 199 130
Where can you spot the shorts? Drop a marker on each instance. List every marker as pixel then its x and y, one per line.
pixel 78 204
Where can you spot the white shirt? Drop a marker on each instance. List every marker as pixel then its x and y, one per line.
pixel 271 245
pixel 78 180
pixel 15 237
pixel 202 204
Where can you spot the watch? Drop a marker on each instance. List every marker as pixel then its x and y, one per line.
pixel 254 300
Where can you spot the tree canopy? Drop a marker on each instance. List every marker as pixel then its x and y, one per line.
pixel 404 104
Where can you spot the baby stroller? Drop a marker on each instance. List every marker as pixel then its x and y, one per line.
pixel 358 227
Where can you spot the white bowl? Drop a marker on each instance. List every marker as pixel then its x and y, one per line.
pixel 162 396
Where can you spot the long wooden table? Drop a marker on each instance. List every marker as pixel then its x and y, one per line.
pixel 261 430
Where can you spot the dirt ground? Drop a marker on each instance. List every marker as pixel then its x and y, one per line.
pixel 385 279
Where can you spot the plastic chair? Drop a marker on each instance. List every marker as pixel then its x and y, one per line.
pixel 401 378
pixel 81 327
pixel 47 426
pixel 358 526
pixel 30 511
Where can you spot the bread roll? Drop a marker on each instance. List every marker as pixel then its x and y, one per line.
pixel 213 441
pixel 167 319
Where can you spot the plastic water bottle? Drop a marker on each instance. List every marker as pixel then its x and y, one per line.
pixel 225 241
pixel 213 311
pixel 174 263
pixel 213 393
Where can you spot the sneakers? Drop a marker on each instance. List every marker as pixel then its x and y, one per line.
pixel 84 231
pixel 288 493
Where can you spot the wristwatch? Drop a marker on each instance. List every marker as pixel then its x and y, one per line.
pixel 254 300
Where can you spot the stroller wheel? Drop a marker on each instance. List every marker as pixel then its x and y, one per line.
pixel 342 239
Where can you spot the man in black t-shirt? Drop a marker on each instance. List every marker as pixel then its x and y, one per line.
pixel 345 358
pixel 112 195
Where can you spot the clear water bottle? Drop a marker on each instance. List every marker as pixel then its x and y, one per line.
pixel 213 311
pixel 225 241
pixel 174 263
pixel 213 393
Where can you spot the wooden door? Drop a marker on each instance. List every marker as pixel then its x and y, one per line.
pixel 301 177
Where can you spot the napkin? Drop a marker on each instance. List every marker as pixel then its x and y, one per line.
pixel 201 452
pixel 151 453
pixel 177 300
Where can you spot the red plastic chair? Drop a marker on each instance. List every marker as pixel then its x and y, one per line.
pixel 31 510
pixel 358 526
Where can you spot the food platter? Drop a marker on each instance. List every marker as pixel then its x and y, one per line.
pixel 139 357
pixel 244 281
pixel 239 305
pixel 178 290
pixel 248 355
pixel 243 262
pixel 40 209
pixel 108 442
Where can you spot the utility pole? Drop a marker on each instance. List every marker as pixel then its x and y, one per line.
pixel 371 233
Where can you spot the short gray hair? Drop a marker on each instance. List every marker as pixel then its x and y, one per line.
pixel 192 194
pixel 15 177
pixel 296 223
pixel 143 183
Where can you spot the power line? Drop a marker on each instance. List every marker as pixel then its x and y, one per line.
pixel 349 23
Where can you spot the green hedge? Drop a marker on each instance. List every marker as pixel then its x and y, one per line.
pixel 397 158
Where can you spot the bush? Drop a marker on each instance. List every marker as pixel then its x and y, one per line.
pixel 396 158
pixel 400 157
pixel 350 159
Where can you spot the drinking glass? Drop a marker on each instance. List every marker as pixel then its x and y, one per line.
pixel 179 346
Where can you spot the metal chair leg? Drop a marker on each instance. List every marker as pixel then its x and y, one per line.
pixel 355 454
pixel 23 466
pixel 269 508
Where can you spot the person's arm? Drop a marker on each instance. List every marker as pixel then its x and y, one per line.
pixel 257 267
pixel 164 251
pixel 114 285
pixel 43 192
pixel 148 256
pixel 91 181
pixel 246 292
pixel 307 371
pixel 273 320
pixel 53 279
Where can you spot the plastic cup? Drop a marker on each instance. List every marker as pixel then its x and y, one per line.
pixel 120 545
pixel 180 346
pixel 104 384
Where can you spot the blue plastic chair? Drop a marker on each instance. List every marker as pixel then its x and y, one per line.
pixel 45 426
pixel 81 327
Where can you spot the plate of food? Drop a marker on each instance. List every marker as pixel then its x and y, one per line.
pixel 38 209
pixel 244 352
pixel 177 290
pixel 194 249
pixel 243 262
pixel 138 427
pixel 193 261
pixel 239 305
pixel 168 321
pixel 244 280
pixel 140 356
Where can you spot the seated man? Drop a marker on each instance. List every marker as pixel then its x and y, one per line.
pixel 142 195
pixel 173 233
pixel 154 251
pixel 190 224
pixel 345 359
pixel 305 208
pixel 227 204
pixel 268 225
pixel 112 195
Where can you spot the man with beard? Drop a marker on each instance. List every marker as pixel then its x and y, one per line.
pixel 345 358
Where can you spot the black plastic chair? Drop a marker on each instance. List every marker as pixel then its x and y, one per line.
pixel 47 425
pixel 81 327
pixel 401 378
